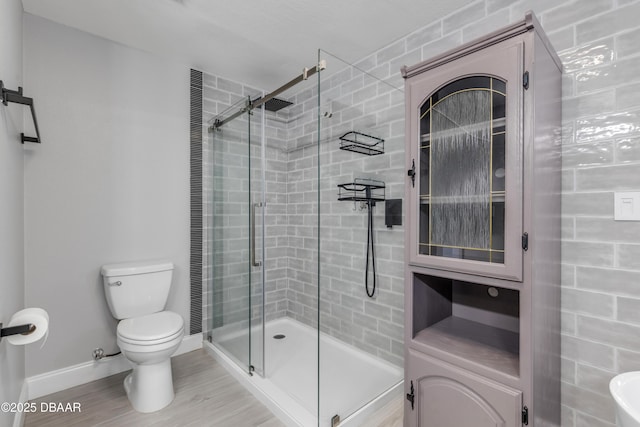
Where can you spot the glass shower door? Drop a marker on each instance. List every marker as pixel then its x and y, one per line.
pixel 236 242
pixel 257 206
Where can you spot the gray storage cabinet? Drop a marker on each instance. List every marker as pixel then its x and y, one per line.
pixel 482 281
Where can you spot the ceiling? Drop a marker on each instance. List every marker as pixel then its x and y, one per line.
pixel 264 43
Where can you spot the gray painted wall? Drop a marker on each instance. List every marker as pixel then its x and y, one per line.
pixel 110 182
pixel 12 155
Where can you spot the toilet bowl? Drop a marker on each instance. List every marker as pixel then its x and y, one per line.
pixel 147 335
pixel 149 342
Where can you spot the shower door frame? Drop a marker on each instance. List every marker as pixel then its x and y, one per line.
pixel 254 261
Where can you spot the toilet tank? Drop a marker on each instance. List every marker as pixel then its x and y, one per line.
pixel 137 288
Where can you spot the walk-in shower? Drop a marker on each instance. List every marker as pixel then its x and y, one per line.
pixel 287 311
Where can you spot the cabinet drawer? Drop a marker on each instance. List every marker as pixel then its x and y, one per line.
pixel 448 396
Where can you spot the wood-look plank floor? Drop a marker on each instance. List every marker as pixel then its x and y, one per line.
pixel 206 395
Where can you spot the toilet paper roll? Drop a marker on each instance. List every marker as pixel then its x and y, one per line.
pixel 38 318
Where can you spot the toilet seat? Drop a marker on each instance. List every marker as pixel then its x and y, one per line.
pixel 151 329
pixel 140 347
pixel 144 343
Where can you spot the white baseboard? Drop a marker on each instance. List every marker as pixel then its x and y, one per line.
pixel 71 376
pixel 18 419
pixel 189 343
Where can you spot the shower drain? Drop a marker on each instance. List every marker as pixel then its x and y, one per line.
pixel 279 336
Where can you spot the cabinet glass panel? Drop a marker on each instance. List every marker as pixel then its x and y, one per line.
pixel 462 170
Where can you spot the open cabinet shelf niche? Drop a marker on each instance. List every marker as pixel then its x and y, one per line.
pixel 477 323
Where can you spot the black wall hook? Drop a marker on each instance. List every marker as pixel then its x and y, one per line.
pixel 16 96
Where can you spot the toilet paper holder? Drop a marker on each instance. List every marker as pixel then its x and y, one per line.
pixel 25 329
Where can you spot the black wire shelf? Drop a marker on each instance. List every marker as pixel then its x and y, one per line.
pixel 362 190
pixel 361 143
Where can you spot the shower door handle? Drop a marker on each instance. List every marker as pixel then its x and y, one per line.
pixel 253 234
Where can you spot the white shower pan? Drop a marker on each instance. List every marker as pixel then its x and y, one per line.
pixel 353 383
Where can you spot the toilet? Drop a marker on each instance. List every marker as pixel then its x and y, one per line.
pixel 147 334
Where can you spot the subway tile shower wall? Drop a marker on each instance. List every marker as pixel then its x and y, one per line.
pixel 350 100
pixel 226 208
pixel 597 41
pixel 355 100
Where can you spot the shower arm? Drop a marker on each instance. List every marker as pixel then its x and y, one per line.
pixel 306 73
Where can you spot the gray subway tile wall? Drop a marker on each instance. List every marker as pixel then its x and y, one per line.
pixel 628 255
pixel 590 303
pixel 495 20
pixel 466 17
pixel 365 103
pixel 616 20
pixel 568 13
pixel 614 281
pixel 627 150
pixel 597 42
pixel 628 310
pixel 226 194
pixel 628 361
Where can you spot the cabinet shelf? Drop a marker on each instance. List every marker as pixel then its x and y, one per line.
pixel 488 346
pixel 497 128
pixel 475 322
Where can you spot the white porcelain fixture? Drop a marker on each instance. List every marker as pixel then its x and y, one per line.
pixel 147 336
pixel 625 389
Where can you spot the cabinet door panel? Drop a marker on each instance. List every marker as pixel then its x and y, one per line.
pixel 447 396
pixel 465 135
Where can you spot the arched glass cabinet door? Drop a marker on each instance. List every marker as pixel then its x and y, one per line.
pixel 467 149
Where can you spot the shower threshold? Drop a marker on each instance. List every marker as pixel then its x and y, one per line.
pixel 353 383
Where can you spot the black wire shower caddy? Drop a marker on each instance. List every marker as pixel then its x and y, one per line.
pixel 362 190
pixel 359 142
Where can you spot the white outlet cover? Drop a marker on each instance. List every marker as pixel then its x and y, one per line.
pixel 626 206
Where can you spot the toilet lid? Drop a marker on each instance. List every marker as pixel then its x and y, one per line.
pixel 151 327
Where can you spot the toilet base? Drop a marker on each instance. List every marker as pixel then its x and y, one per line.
pixel 150 387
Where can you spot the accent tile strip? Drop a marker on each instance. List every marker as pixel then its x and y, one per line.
pixel 196 202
